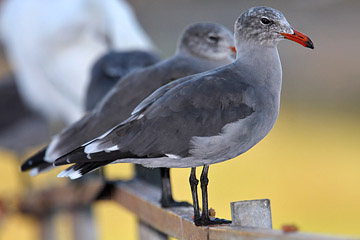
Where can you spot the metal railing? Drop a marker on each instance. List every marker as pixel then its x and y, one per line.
pixel 141 199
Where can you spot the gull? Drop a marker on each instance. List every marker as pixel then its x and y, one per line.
pixel 206 118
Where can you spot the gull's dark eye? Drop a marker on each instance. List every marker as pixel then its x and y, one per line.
pixel 265 21
pixel 213 39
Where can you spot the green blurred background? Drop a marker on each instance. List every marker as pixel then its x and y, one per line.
pixel 309 163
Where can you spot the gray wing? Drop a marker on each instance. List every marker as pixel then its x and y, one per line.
pixel 155 96
pixel 117 105
pixel 200 106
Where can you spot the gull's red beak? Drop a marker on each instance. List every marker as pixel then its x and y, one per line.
pixel 299 38
pixel 232 48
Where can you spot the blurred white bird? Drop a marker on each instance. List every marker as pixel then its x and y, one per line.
pixel 51 45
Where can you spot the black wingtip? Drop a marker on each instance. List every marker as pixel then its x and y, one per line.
pixel 71 157
pixel 61 161
pixel 34 161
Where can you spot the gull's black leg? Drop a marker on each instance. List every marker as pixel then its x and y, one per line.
pixel 205 220
pixel 193 185
pixel 204 181
pixel 167 199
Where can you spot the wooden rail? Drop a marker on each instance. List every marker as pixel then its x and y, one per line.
pixel 142 199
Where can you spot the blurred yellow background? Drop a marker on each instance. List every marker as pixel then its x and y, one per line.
pixel 308 166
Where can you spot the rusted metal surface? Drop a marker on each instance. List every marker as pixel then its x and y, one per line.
pixel 142 199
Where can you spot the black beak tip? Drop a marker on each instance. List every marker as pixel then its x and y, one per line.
pixel 310 44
